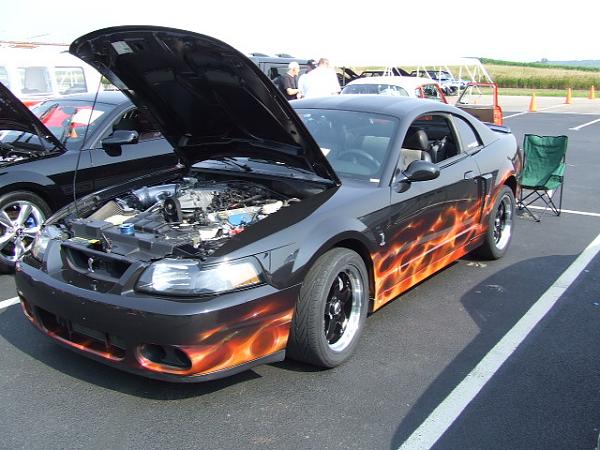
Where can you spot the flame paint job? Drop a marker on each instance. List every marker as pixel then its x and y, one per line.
pixel 230 345
pixel 406 263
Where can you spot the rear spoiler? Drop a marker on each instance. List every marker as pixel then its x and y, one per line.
pixel 498 128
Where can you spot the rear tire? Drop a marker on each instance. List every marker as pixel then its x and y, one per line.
pixel 500 226
pixel 331 310
pixel 21 216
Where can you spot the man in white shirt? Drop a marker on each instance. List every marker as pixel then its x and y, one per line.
pixel 319 82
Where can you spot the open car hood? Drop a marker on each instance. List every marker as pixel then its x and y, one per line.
pixel 209 99
pixel 14 115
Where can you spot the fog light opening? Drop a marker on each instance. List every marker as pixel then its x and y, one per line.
pixel 165 356
pixel 26 308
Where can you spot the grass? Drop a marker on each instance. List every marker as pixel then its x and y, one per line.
pixel 545 92
pixel 498 62
pixel 553 79
pixel 542 78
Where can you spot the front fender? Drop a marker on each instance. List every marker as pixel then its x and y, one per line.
pixel 290 264
pixel 35 182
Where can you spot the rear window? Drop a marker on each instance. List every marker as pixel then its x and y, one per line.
pixel 381 89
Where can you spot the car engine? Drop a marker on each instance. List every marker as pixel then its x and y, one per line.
pixel 191 217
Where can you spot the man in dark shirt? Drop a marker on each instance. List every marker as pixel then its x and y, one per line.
pixel 289 81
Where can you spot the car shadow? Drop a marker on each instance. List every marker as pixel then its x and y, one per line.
pixel 495 305
pixel 18 332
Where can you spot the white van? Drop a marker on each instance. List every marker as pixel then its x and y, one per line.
pixel 37 73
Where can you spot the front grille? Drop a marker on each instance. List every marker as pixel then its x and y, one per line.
pixel 81 336
pixel 96 264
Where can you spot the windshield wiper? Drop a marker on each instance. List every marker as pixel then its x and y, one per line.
pixel 232 161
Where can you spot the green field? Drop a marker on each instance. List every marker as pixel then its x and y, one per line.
pixel 523 78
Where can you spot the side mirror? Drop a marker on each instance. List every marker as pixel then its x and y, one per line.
pixel 416 171
pixel 121 137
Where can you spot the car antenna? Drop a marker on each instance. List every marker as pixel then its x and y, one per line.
pixel 89 124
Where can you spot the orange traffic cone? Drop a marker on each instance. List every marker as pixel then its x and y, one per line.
pixel 592 95
pixel 569 98
pixel 532 103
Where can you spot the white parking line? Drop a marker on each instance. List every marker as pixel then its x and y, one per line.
pixel 584 125
pixel 428 433
pixel 9 302
pixel 527 112
pixel 570 211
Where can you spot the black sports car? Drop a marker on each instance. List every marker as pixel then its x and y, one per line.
pixel 39 150
pixel 273 240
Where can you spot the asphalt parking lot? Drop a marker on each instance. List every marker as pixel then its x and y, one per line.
pixel 413 354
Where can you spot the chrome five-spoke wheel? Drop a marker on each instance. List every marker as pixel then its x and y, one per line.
pixel 22 214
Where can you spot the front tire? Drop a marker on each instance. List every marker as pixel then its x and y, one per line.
pixel 331 310
pixel 500 226
pixel 21 216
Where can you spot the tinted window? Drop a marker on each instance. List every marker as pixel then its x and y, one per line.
pixel 383 89
pixel 467 136
pixel 355 144
pixel 440 140
pixel 135 120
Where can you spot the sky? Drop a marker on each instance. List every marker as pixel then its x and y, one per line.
pixel 349 33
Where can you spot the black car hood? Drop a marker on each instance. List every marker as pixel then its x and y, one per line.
pixel 14 115
pixel 209 99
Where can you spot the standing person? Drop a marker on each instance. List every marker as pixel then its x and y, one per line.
pixel 310 65
pixel 289 81
pixel 320 82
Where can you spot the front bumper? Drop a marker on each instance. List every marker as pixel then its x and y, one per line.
pixel 157 337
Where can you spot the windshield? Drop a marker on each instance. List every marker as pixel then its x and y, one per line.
pixel 383 89
pixel 356 144
pixel 66 119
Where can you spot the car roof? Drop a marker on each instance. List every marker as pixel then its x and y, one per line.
pixel 399 107
pixel 277 60
pixel 404 82
pixel 109 97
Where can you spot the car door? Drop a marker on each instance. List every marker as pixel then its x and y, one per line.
pixel 481 101
pixel 432 221
pixel 119 163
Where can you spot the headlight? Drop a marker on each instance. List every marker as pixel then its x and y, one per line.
pixel 187 277
pixel 40 243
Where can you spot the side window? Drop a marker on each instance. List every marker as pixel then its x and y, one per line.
pixel 275 70
pixel 70 80
pixel 135 120
pixel 35 80
pixel 429 138
pixel 430 91
pixel 4 77
pixel 469 141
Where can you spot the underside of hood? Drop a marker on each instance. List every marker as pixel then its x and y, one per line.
pixel 15 116
pixel 208 99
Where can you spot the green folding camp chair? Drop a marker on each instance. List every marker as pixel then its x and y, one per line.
pixel 543 173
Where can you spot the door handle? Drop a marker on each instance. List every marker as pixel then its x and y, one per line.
pixel 469 175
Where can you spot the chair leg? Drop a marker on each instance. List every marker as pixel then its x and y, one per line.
pixel 522 205
pixel 560 199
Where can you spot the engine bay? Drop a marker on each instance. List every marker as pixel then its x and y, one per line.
pixel 191 217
